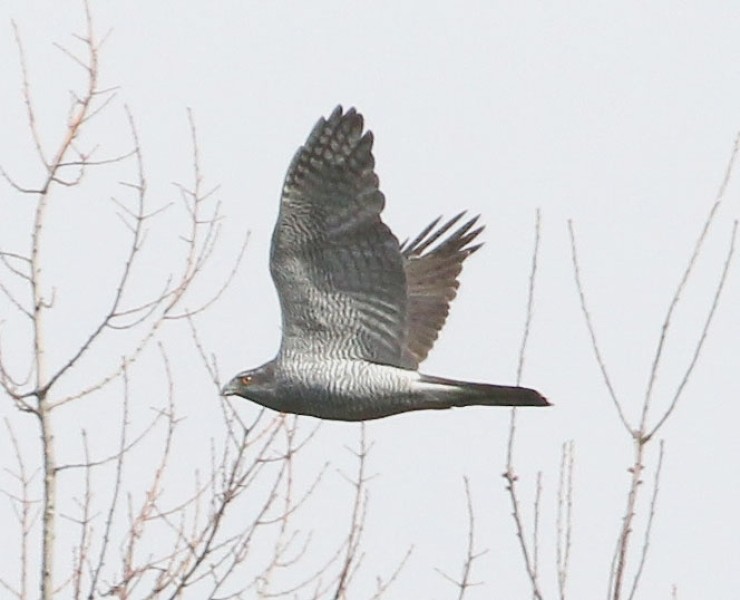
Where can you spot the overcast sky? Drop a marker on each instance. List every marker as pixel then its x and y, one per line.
pixel 619 116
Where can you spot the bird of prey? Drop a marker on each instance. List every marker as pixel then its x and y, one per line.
pixel 359 310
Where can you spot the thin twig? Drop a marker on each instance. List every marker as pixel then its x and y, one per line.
pixel 509 475
pixel 23 505
pixel 698 246
pixel 536 524
pixel 619 564
pixel 592 332
pixel 116 491
pixel 649 525
pixel 352 558
pixel 529 314
pixel 464 583
pixel 565 515
pixel 30 113
pixel 702 336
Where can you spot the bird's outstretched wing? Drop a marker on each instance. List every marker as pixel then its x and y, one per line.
pixel 337 268
pixel 432 283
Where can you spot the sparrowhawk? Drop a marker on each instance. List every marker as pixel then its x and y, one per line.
pixel 359 310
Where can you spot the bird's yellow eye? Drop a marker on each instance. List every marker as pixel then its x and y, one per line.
pixel 246 380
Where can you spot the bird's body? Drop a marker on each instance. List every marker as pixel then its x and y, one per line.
pixel 357 390
pixel 343 389
pixel 360 311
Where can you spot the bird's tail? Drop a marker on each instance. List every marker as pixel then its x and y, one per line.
pixel 449 392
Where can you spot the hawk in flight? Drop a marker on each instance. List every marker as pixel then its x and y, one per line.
pixel 360 311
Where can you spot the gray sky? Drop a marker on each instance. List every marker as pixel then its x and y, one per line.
pixel 620 117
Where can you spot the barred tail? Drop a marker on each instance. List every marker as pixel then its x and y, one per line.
pixel 449 392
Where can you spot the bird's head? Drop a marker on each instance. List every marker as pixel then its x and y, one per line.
pixel 254 384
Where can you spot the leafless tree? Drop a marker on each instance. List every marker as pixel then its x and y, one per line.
pixel 90 520
pixel 627 569
pixel 630 556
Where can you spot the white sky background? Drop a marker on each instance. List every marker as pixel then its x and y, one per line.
pixel 620 118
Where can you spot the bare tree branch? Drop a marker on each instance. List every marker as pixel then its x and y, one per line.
pixel 23 506
pixel 352 557
pixel 698 246
pixel 30 113
pixel 649 526
pixel 464 583
pixel 510 475
pixel 592 332
pixel 702 337
pixel 565 515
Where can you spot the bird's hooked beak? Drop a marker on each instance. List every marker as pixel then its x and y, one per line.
pixel 231 388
